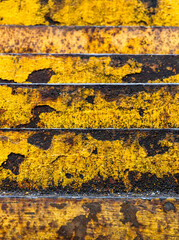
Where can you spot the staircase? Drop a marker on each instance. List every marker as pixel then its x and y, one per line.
pixel 89 117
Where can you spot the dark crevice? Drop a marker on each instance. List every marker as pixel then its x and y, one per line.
pixel 6 81
pixel 50 20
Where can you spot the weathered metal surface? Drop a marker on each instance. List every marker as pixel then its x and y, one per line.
pixel 89 161
pixel 89 106
pixel 53 39
pixel 86 12
pixel 86 219
pixel 89 68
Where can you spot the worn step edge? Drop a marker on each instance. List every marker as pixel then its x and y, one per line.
pixel 88 68
pixel 89 161
pixel 89 218
pixel 86 12
pixel 89 105
pixel 53 39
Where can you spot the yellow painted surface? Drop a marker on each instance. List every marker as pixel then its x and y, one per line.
pixel 73 154
pixel 69 107
pixel 117 219
pixel 86 12
pixel 51 39
pixel 71 69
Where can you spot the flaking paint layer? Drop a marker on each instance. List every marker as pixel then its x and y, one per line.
pixel 89 106
pixel 104 161
pixel 86 12
pixel 88 69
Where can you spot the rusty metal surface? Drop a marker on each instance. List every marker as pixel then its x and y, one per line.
pixel 89 106
pixel 85 219
pixel 87 68
pixel 53 39
pixel 89 161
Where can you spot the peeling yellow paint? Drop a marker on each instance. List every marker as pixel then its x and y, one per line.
pixel 67 69
pixel 86 12
pixel 71 69
pixel 71 153
pixel 158 113
pixel 74 110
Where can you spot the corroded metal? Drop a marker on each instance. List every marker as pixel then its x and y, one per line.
pixel 89 106
pixel 100 219
pixel 89 161
pixel 87 12
pixel 81 68
pixel 52 39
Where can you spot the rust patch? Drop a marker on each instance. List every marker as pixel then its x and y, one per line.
pixel 153 67
pixel 150 3
pixel 50 93
pixel 78 226
pixel 168 206
pixel 41 140
pixel 9 185
pixel 129 212
pixel 152 145
pixel 35 119
pixel 112 135
pixel 41 76
pixel 143 182
pixel 53 224
pixel 6 81
pixel 94 208
pixel 4 206
pixel 90 99
pixel 58 206
pixel 43 2
pixel 101 237
pixel 13 162
pixel 75 229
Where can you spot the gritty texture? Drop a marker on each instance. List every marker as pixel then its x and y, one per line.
pixel 86 12
pixel 93 106
pixel 53 39
pixel 86 219
pixel 89 69
pixel 89 161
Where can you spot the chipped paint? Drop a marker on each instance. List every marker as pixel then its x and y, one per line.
pixel 53 39
pixel 100 219
pixel 89 106
pixel 89 69
pixel 90 160
pixel 86 12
